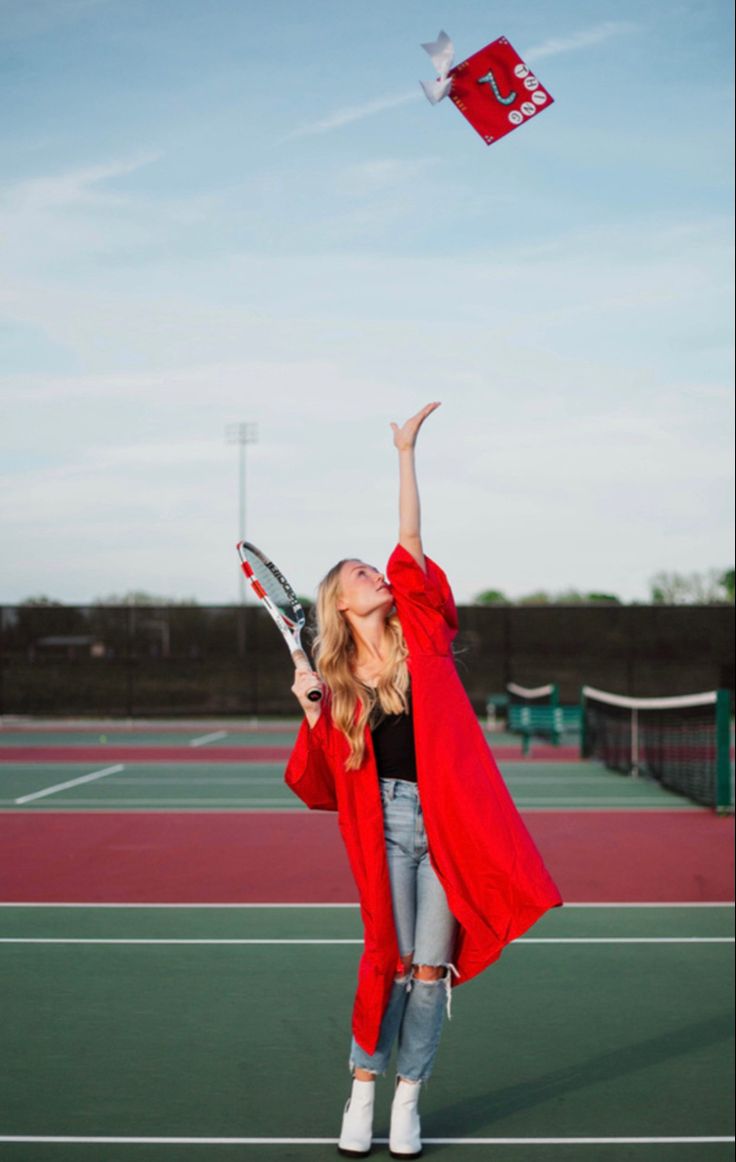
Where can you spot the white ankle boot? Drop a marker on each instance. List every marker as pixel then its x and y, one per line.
pixel 356 1135
pixel 405 1136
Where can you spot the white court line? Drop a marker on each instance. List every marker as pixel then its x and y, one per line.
pixel 206 781
pixel 169 807
pixel 71 783
pixel 556 780
pixel 118 904
pixel 205 738
pixel 333 904
pixel 172 804
pixel 275 781
pixel 561 803
pixel 323 940
pixel 580 801
pixel 163 940
pixel 277 764
pixel 110 1141
pixel 164 806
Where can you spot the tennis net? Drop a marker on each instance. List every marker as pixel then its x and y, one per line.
pixel 533 696
pixel 684 743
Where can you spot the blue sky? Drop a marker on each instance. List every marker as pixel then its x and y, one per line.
pixel 225 211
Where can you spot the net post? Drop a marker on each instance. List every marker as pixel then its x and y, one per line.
pixel 723 751
pixel 554 697
pixel 526 727
pixel 583 726
pixel 634 743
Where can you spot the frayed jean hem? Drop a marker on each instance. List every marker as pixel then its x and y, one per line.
pixel 413 1053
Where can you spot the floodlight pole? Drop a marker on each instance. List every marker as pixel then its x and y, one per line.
pixel 241 434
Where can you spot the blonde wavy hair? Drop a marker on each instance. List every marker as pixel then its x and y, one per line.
pixel 351 701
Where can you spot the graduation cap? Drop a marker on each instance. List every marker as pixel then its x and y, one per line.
pixel 494 89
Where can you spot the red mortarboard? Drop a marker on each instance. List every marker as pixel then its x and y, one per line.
pixel 493 89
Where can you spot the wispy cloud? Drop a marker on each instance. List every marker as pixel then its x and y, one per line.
pixel 353 113
pixel 73 186
pixel 378 175
pixel 73 216
pixel 583 39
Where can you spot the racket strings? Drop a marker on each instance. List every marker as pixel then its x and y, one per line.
pixel 275 586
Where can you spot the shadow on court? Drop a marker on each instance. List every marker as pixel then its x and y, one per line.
pixel 463 1118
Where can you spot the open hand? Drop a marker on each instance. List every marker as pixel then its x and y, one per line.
pixel 406 436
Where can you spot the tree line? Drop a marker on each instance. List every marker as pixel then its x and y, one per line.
pixel 710 587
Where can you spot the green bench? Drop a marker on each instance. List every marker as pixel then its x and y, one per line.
pixel 550 721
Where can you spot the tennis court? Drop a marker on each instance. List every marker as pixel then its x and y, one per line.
pixel 179 939
pixel 143 767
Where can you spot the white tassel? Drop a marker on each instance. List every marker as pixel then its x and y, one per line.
pixel 442 53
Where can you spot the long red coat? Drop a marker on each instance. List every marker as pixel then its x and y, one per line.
pixel 495 881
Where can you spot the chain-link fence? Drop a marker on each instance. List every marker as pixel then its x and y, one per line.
pixel 201 661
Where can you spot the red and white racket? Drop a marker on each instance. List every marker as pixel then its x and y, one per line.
pixel 271 587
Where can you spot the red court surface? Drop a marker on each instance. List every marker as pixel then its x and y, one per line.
pixel 221 754
pixel 298 857
pixel 13 724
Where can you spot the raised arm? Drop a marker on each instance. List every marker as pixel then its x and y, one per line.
pixel 405 438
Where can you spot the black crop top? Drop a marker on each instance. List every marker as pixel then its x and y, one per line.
pixel 393 744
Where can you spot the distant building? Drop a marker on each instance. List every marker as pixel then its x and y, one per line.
pixel 70 646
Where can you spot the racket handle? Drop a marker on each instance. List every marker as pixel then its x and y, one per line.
pixel 301 662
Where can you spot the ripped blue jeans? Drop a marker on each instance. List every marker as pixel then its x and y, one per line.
pixel 426 928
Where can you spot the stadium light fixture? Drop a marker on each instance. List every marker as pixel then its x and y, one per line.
pixel 241 434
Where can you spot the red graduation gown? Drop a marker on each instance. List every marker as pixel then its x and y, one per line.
pixel 495 881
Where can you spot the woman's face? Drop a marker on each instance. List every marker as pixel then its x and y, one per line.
pixel 363 590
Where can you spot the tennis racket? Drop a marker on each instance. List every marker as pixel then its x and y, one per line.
pixel 272 588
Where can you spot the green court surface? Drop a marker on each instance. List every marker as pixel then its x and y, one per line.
pixel 223 1033
pixel 277 733
pixel 113 737
pixel 195 786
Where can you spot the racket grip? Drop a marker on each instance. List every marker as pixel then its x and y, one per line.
pixel 301 662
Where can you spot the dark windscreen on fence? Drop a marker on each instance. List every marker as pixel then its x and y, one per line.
pixel 133 661
pixel 202 660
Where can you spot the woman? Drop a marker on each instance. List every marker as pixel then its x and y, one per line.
pixel 446 871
